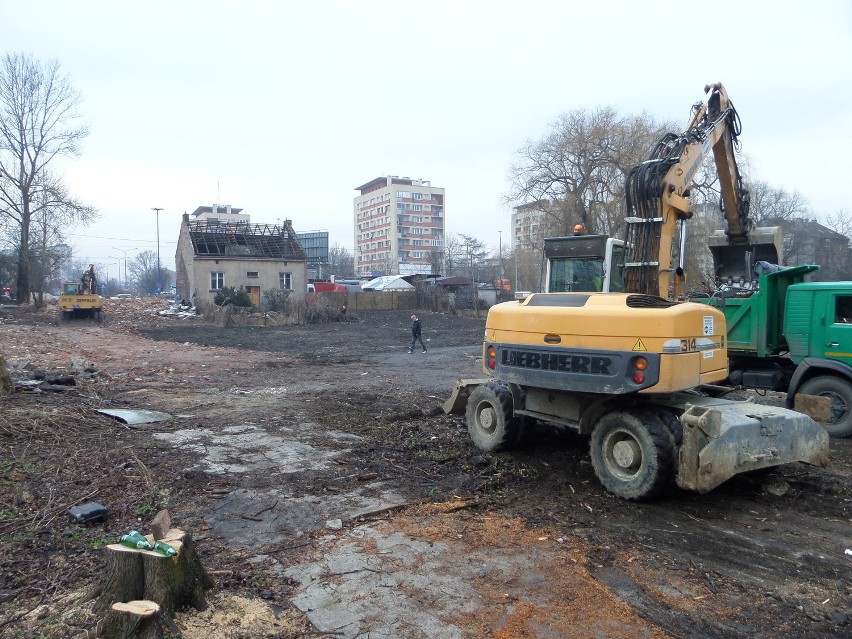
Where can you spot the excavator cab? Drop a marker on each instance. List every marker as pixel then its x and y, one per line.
pixel 583 263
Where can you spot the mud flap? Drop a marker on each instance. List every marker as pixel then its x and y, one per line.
pixel 722 438
pixel 457 401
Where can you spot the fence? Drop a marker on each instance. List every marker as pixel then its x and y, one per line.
pixel 370 300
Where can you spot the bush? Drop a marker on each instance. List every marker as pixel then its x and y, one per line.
pixel 229 296
pixel 278 300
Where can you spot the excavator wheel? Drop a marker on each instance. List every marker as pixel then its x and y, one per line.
pixel 632 454
pixel 839 390
pixel 672 424
pixel 490 419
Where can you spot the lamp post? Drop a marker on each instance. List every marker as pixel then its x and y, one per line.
pixel 125 264
pixel 159 279
pixel 502 274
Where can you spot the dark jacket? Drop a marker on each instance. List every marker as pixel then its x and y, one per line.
pixel 415 328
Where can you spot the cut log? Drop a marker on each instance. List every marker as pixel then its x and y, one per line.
pixel 133 576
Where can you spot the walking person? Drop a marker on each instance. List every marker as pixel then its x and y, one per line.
pixel 416 334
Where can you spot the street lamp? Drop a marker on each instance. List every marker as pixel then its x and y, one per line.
pixel 159 279
pixel 125 264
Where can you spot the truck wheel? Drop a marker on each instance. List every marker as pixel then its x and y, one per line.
pixel 489 418
pixel 840 392
pixel 633 454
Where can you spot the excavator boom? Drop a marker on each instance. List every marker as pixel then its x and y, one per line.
pixel 658 199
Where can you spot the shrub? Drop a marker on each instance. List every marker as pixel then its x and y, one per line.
pixel 229 296
pixel 278 300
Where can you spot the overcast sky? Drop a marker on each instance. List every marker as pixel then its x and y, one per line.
pixel 283 108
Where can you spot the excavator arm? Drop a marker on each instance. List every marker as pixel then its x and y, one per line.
pixel 658 196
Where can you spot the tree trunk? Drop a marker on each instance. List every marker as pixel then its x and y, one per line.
pixel 23 287
pixel 140 576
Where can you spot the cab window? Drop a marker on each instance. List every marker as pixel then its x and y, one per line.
pixel 843 309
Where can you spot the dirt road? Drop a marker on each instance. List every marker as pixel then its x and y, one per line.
pixel 330 494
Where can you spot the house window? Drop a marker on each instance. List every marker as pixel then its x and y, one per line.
pixel 217 280
pixel 285 281
pixel 252 274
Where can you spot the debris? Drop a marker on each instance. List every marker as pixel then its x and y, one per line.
pixel 334 524
pixel 132 417
pixel 88 513
pixel 776 486
pixel 180 309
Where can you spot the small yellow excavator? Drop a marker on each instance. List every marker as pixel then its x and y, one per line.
pixel 80 300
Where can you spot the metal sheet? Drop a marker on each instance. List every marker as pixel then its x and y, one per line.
pixel 132 416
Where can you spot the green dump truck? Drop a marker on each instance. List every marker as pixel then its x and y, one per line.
pixel 792 336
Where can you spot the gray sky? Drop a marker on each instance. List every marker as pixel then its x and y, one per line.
pixel 283 108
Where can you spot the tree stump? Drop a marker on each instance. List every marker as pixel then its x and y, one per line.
pixel 138 581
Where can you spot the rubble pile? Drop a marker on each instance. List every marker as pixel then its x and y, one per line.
pixel 180 309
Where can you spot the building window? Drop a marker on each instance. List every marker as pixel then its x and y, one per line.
pixel 217 281
pixel 252 274
pixel 285 281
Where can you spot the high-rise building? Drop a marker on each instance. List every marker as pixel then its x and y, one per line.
pixel 528 224
pixel 399 227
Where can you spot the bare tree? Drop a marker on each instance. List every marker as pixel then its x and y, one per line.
pixel 340 261
pixel 774 206
pixel 576 173
pixel 455 254
pixel 840 222
pixel 38 125
pixel 143 272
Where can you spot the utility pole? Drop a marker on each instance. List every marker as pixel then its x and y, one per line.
pixel 159 278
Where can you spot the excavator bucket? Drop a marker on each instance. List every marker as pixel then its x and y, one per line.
pixel 734 261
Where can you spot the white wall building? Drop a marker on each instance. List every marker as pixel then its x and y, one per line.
pixel 399 227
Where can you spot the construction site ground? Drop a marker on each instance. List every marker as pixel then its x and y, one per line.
pixel 331 496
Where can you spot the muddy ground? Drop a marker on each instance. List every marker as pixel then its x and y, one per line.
pixel 330 496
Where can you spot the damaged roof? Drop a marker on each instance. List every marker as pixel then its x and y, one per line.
pixel 245 241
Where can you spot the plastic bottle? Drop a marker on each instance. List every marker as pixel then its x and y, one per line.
pixel 135 539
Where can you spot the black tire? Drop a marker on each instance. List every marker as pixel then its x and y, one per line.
pixel 489 418
pixel 672 424
pixel 632 454
pixel 839 390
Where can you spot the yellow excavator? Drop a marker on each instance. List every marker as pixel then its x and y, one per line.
pixel 80 300
pixel 626 367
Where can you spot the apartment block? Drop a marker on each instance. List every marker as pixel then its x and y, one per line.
pixel 528 224
pixel 399 227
